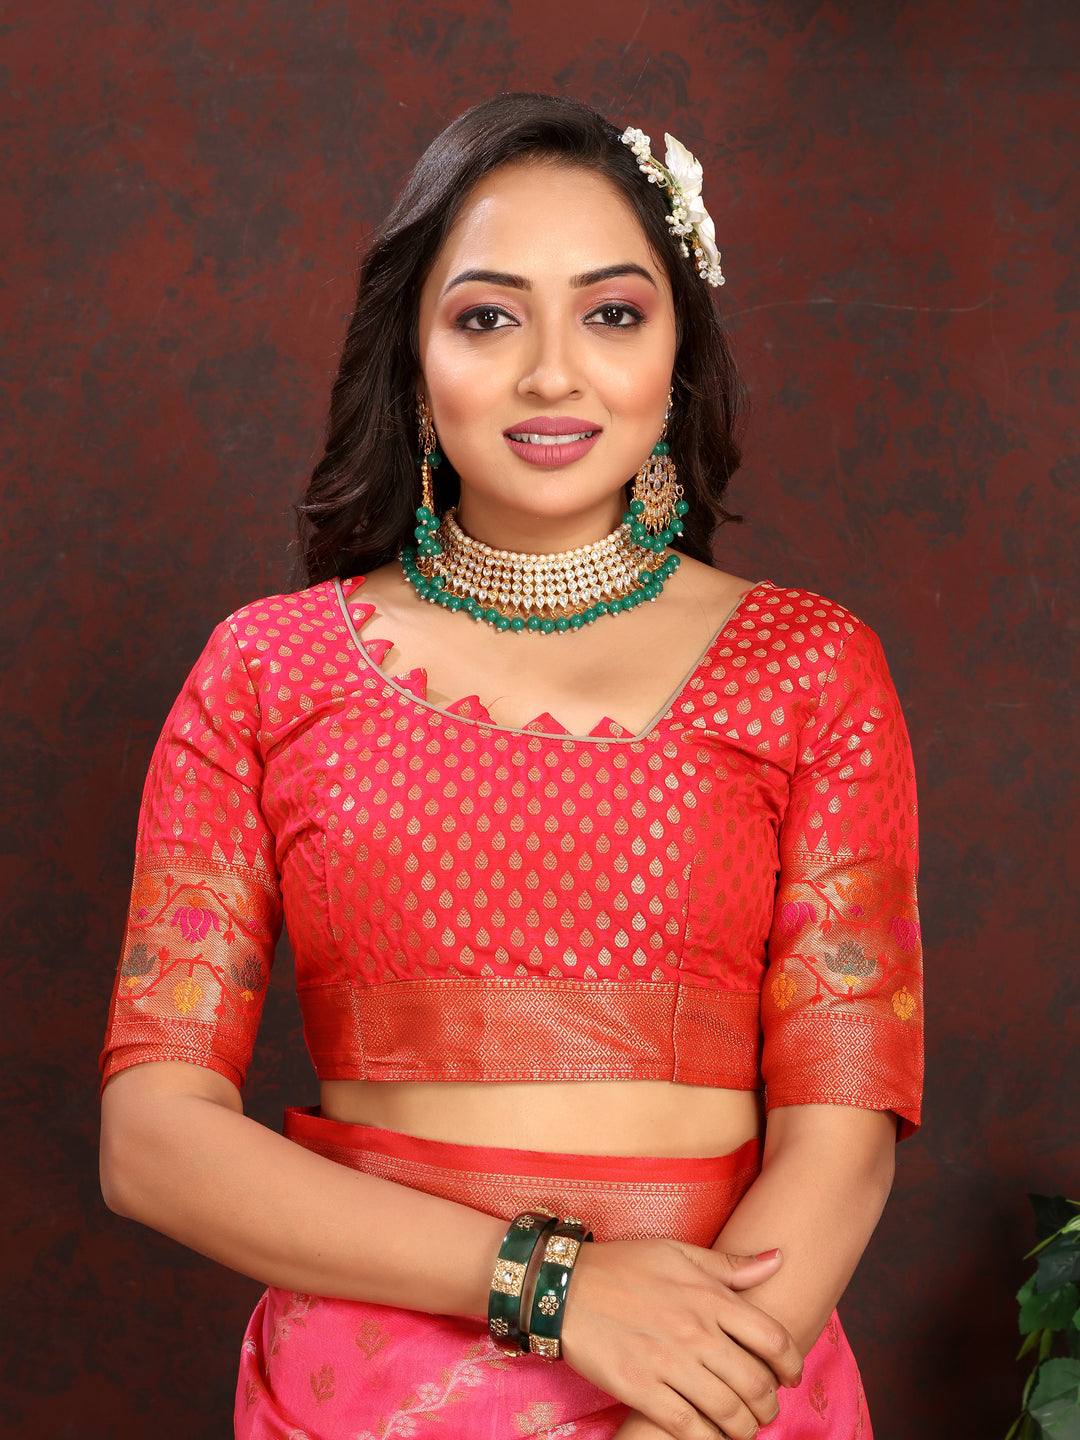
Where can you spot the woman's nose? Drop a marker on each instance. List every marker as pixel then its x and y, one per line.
pixel 552 368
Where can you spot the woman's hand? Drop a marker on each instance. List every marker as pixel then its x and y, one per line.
pixel 658 1324
pixel 636 1427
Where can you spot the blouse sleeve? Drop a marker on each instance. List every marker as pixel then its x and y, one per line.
pixel 205 908
pixel 842 1001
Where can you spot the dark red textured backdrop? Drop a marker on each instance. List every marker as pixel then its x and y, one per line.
pixel 895 191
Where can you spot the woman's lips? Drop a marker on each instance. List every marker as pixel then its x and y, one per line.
pixel 551 441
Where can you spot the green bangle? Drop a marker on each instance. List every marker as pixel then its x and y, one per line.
pixel 508 1280
pixel 552 1283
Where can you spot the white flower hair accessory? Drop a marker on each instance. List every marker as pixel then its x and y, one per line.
pixel 681 176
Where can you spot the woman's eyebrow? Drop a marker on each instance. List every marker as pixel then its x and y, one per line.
pixel 609 272
pixel 491 277
pixel 577 282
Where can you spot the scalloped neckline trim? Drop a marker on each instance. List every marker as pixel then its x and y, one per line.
pixel 412 684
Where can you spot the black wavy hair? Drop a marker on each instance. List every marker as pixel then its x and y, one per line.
pixel 359 507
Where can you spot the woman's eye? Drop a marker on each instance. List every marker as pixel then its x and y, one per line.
pixel 486 317
pixel 617 317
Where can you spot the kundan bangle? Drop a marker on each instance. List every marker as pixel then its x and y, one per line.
pixel 508 1279
pixel 552 1283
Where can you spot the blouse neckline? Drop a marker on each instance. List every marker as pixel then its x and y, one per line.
pixel 485 722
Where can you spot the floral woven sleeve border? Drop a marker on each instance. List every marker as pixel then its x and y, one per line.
pixel 205 908
pixel 841 1007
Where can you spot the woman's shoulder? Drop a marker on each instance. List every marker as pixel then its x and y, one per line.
pixel 302 608
pixel 793 607
pixel 274 632
pixel 790 610
pixel 816 645
pixel 711 584
pixel 274 660
pixel 792 635
pixel 273 622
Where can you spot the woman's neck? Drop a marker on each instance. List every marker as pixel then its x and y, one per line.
pixel 531 534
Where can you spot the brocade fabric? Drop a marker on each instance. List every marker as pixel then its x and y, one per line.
pixel 726 899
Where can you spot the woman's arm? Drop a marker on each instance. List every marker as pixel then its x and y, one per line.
pixel 178 1154
pixel 824 1181
pixel 827 1173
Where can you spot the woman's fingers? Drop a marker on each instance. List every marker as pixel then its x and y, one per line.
pixel 717 1373
pixel 718 1411
pixel 743 1321
pixel 653 1323
pixel 750 1384
pixel 743 1272
pixel 761 1335
pixel 683 1421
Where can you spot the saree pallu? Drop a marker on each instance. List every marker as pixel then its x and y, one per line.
pixel 313 1368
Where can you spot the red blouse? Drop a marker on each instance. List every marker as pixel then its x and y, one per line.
pixel 725 899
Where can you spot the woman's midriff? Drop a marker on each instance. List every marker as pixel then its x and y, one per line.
pixel 584 1117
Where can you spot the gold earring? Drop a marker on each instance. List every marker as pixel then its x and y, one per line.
pixel 430 458
pixel 427 522
pixel 657 505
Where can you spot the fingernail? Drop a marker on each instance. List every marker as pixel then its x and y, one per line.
pixel 767 1255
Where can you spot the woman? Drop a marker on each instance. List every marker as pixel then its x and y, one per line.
pixel 603 904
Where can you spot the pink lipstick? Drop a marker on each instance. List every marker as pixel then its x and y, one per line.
pixel 552 440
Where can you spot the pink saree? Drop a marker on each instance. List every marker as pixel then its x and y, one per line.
pixel 313 1368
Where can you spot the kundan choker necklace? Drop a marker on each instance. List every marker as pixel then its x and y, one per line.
pixel 545 593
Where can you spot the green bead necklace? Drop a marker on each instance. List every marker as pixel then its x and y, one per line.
pixel 546 594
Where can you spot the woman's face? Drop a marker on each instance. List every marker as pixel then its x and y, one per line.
pixel 547 342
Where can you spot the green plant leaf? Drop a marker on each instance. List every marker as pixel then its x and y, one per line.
pixel 1051 1311
pixel 1055 1401
pixel 1051 1213
pixel 1059 1263
pixel 1030 1342
pixel 1029 1385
